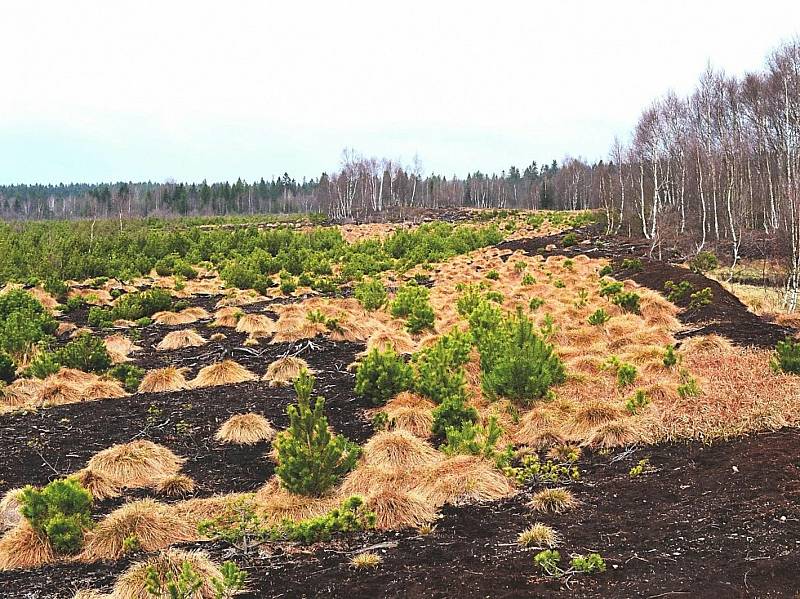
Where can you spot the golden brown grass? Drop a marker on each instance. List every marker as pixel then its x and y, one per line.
pixel 540 536
pixel 133 583
pixel 173 318
pixel 594 413
pixel 397 509
pixel 399 449
pixel 136 464
pixel 616 433
pixel 245 429
pixel 398 340
pixel 98 485
pixel 103 389
pixel 180 339
pixel 294 328
pixel 175 485
pixel 366 561
pixel 275 504
pixel 226 372
pixel 164 379
pixel 21 392
pixel 56 393
pixel 119 347
pixel 417 421
pixel 23 547
pixel 553 501
pixel 257 325
pixel 366 479
pixel 227 317
pixel 464 479
pixel 152 523
pixel 284 371
pixel 196 311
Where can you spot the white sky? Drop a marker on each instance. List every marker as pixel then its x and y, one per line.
pixel 119 90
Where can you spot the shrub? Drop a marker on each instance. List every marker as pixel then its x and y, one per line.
pixel 100 318
pixel 678 292
pixel 638 401
pixel 703 262
pixel 609 288
pixel 129 375
pixel 469 299
pixel 528 279
pixel 23 322
pixel 628 301
pixel 288 283
pixel 688 386
pixel 670 357
pixel 569 240
pixel 61 511
pixel 588 564
pixel 536 303
pixel 371 294
pixel 43 365
pixel 633 264
pixel 8 372
pixel 310 459
pixel 351 516
pixel 412 302
pixel 87 353
pixel 606 270
pixel 599 317
pixel 452 413
pixel 548 560
pixel 473 439
pixel 626 374
pixel 700 298
pixel 787 356
pixel 134 306
pixel 517 363
pixel 493 275
pixel 439 372
pixel 57 288
pixel 76 302
pixel 382 375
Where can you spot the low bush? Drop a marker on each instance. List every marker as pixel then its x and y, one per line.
pixel 61 511
pixel 129 375
pixel 351 516
pixel 633 264
pixel 670 356
pixel 787 356
pixel 86 352
pixel 626 374
pixel 569 240
pixel 100 318
pixel 43 365
pixel 310 459
pixel 703 262
pixel 76 302
pixel 439 372
pixel 628 301
pixel 700 298
pixel 382 375
pixel 609 288
pixel 473 439
pixel 637 402
pixel 678 292
pixel 599 317
pixel 493 275
pixel 371 294
pixel 412 302
pixel 452 413
pixel 134 306
pixel 23 322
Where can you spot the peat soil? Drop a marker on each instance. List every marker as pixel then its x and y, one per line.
pixel 726 315
pixel 43 445
pixel 703 521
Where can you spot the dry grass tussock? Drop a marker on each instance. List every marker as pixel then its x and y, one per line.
pixel 198 312
pixel 97 484
pixel 21 392
pixel 173 318
pixel 10 515
pixel 120 347
pixel 239 299
pixel 462 480
pixel 399 449
pixel 226 372
pixel 284 371
pixel 367 479
pixel 180 339
pixel 275 504
pixel 164 380
pixel 415 420
pixel 132 584
pixel 616 433
pixel 154 524
pixel 175 485
pixel 23 547
pixel 257 325
pixel 227 317
pixel 137 464
pixel 397 509
pixel 245 429
pixel 553 501
pixel 397 340
pixel 103 389
pixel 196 510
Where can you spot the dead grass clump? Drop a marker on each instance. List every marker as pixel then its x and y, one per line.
pixel 195 511
pixel 539 535
pixel 103 390
pixel 553 501
pixel 180 339
pixel 256 325
pixel 119 346
pixel 417 421
pixel 98 485
pixel 659 312
pixel 366 479
pixel 226 372
pixel 64 328
pixel 56 393
pixel 398 449
pixel 23 547
pixel 136 464
pixel 398 509
pixel 227 317
pixel 245 429
pixel 173 318
pixel 400 341
pixel 366 561
pixel 133 583
pixel 706 343
pixel 217 337
pixel 615 434
pixel 464 479
pixel 541 438
pixel 294 328
pixel 163 379
pixel 284 371
pixel 21 392
pixel 594 413
pixel 275 504
pixel 196 311
pixel 74 377
pixel 152 523
pixel 175 485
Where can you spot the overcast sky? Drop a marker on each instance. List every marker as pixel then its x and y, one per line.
pixel 117 90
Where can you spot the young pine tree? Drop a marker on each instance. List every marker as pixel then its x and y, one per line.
pixel 310 459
